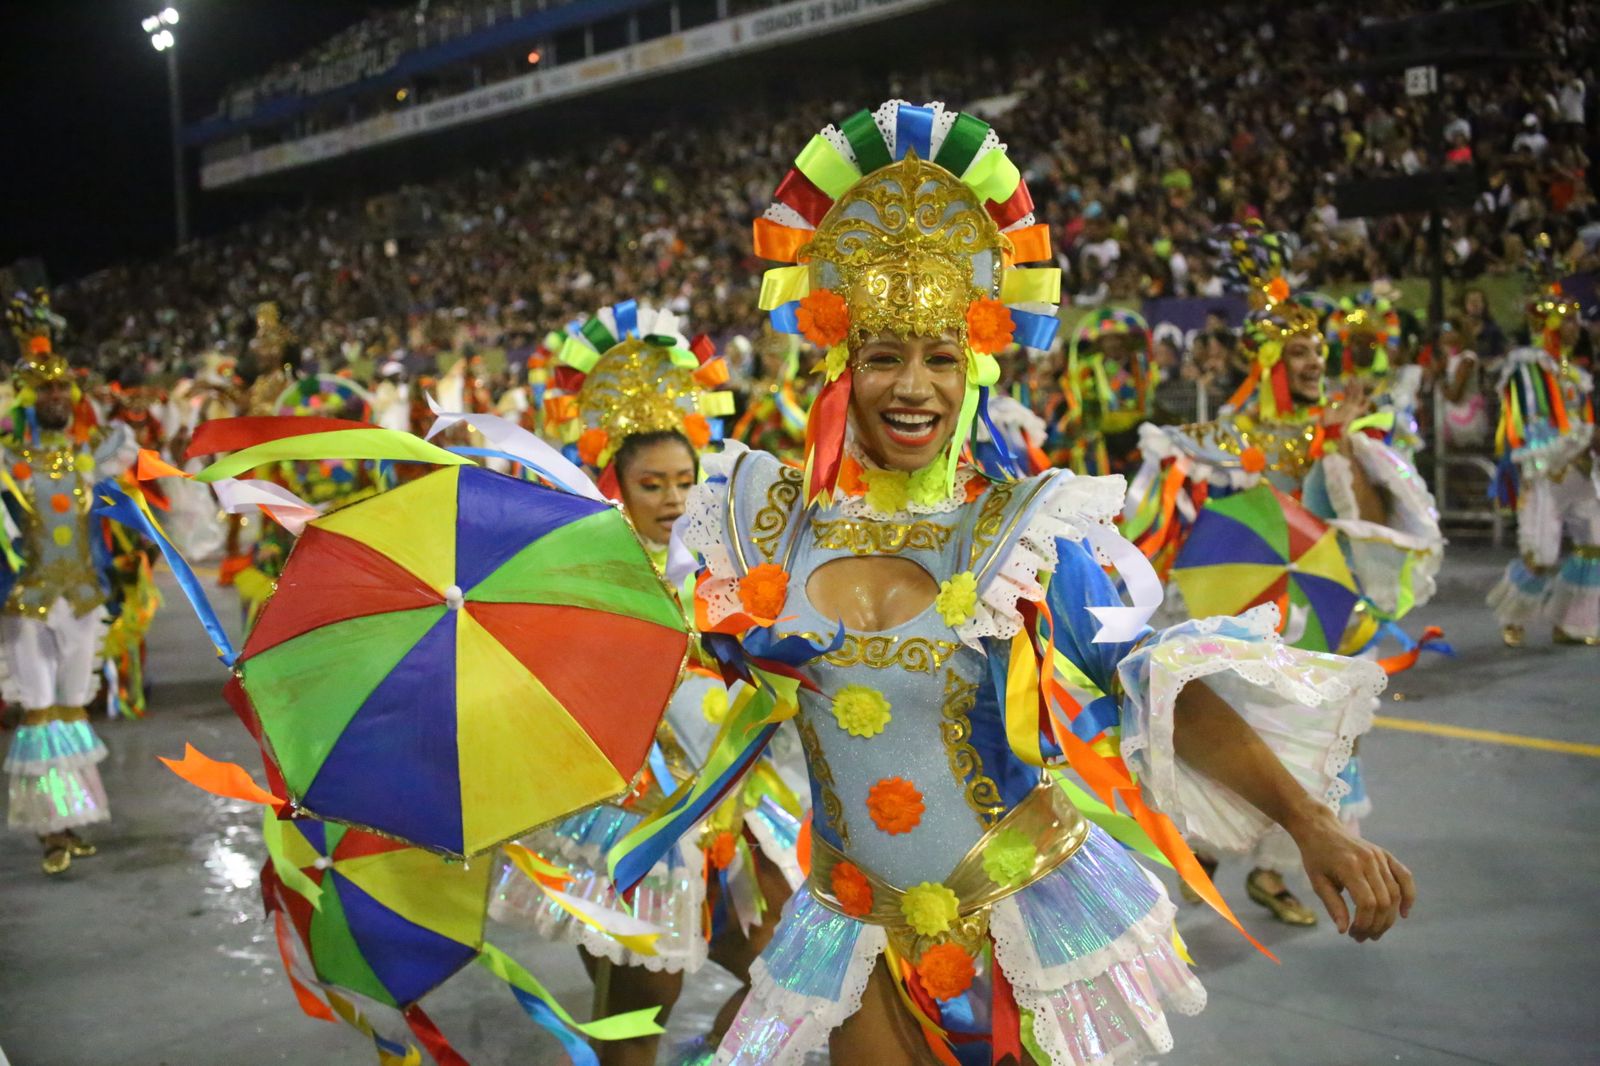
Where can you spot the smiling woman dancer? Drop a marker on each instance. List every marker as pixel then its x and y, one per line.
pixel 955 894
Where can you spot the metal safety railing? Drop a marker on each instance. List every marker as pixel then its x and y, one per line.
pixel 1466 512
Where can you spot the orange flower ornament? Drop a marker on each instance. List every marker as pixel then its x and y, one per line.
pixel 895 805
pixel 824 318
pixel 763 590
pixel 852 889
pixel 989 326
pixel 946 971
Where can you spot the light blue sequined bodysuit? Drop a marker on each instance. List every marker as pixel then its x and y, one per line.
pixel 944 735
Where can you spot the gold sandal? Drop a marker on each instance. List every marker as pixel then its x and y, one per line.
pixel 1283 904
pixel 57 855
pixel 80 848
pixel 1512 635
pixel 1561 636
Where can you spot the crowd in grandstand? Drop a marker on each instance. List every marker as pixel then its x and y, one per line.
pixel 1145 138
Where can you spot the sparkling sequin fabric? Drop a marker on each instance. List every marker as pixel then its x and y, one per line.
pixel 54 781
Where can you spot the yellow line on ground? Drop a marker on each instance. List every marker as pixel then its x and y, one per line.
pixel 1486 736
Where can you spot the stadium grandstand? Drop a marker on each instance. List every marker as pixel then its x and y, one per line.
pixel 490 165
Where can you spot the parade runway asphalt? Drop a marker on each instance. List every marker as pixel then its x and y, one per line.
pixel 154 952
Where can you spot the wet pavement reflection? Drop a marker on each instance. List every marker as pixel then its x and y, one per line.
pixel 154 952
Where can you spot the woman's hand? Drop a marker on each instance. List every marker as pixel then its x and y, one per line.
pixel 1351 406
pixel 1380 887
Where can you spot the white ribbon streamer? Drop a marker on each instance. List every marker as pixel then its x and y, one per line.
pixel 238 496
pixel 1122 623
pixel 680 560
pixel 518 443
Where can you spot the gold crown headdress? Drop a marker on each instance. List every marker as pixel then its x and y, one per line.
pixel 35 326
pixel 1257 260
pixel 1549 307
pixel 905 220
pixel 627 370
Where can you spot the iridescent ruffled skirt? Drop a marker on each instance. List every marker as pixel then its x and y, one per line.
pixel 1088 951
pixel 672 895
pixel 54 781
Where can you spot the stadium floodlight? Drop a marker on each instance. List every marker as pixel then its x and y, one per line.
pixel 163 40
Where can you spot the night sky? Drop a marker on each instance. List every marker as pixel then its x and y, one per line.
pixel 88 179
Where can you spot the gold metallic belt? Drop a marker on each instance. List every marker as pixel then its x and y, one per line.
pixel 45 715
pixel 1046 817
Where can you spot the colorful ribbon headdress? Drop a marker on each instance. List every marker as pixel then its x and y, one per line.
pixel 1549 307
pixel 35 327
pixel 1365 315
pixel 627 370
pixel 905 220
pixel 1256 261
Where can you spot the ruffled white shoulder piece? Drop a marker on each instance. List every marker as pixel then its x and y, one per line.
pixel 704 530
pixel 1065 507
pixel 1307 707
pixel 1413 526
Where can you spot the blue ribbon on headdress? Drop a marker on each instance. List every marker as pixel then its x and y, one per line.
pixel 914 129
pixel 785 318
pixel 1033 330
pixel 1003 456
pixel 627 315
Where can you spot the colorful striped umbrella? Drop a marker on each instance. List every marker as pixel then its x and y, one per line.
pixel 377 917
pixel 1261 546
pixel 462 659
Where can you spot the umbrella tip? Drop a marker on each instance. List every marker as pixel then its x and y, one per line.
pixel 454 598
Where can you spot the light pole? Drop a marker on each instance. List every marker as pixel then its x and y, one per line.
pixel 159 28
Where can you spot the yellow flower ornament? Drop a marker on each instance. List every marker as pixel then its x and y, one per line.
pixel 861 711
pixel 714 704
pixel 1008 858
pixel 888 491
pixel 929 908
pixel 958 599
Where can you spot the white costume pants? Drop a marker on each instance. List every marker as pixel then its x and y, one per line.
pixel 52 659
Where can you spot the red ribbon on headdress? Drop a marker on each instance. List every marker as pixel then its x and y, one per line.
pixel 825 436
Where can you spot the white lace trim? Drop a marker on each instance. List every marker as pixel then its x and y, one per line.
pixel 704 531
pixel 1414 527
pixel 1315 706
pixel 817 1017
pixel 1064 510
pixel 1033 984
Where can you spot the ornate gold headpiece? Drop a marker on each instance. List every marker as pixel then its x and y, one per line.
pixel 909 247
pixel 908 219
pixel 34 325
pixel 626 371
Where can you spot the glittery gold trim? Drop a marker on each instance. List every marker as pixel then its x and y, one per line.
pixel 773 518
pixel 902 240
pixel 917 655
pixel 983 795
pixel 46 715
pixel 1285 445
pixel 634 388
pixel 51 570
pixel 1045 816
pixel 824 775
pixel 990 518
pixel 879 538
